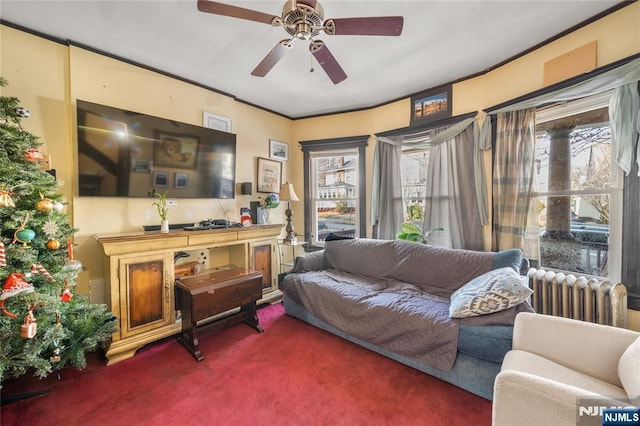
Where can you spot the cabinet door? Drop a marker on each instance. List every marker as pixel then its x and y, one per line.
pixel 147 299
pixel 262 259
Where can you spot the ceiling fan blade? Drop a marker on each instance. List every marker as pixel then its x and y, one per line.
pixel 377 26
pixel 272 58
pixel 234 11
pixel 327 61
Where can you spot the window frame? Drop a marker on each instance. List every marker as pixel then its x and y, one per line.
pixel 615 190
pixel 313 148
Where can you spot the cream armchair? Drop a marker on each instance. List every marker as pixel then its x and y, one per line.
pixel 556 362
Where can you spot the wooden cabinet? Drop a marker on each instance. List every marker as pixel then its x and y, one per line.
pixel 146 301
pixel 140 276
pixel 262 259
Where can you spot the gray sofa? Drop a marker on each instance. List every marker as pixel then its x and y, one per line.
pixel 393 297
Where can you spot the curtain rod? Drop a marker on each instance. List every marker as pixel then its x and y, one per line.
pixel 429 126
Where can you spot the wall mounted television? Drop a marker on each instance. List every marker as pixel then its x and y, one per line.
pixel 129 154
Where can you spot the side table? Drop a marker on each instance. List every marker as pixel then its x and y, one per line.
pixel 208 294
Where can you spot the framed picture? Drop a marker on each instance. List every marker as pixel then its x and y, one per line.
pixel 431 105
pixel 269 175
pixel 278 150
pixel 182 181
pixel 141 166
pixel 161 179
pixel 175 150
pixel 217 122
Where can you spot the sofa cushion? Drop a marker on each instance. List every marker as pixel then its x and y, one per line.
pixel 490 343
pixel 491 292
pixel 437 270
pixel 526 362
pixel 629 371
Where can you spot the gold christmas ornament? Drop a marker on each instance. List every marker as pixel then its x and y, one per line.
pixel 44 205
pixel 53 244
pixel 5 197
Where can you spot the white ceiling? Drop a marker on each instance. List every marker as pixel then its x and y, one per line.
pixel 442 41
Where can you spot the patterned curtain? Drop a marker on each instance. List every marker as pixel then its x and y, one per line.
pixel 512 177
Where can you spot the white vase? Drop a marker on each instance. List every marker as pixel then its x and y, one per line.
pixel 267 216
pixel 164 226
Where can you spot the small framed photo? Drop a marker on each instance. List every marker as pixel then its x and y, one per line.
pixel 161 179
pixel 269 175
pixel 141 166
pixel 431 105
pixel 216 122
pixel 278 150
pixel 182 181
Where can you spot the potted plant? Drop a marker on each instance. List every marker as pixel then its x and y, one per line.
pixel 161 205
pixel 412 232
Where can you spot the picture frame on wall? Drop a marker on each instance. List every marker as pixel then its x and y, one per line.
pixel 161 179
pixel 175 150
pixel 139 165
pixel 181 181
pixel 431 105
pixel 278 150
pixel 216 122
pixel 269 175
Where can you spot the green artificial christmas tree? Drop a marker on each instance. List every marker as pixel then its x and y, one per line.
pixel 44 325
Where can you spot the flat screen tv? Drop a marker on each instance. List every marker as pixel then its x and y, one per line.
pixel 128 154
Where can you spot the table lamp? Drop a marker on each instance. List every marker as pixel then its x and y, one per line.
pixel 288 194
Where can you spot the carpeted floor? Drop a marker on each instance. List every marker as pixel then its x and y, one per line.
pixel 292 374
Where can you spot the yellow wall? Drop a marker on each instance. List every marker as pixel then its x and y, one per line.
pixel 48 77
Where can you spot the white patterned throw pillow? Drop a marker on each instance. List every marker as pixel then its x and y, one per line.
pixel 492 292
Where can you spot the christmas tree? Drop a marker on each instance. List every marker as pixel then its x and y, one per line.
pixel 44 325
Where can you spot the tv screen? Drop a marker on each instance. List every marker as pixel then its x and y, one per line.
pixel 128 154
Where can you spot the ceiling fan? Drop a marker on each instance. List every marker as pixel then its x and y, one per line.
pixel 303 20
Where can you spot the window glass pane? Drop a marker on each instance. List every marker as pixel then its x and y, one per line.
pixel 583 247
pixel 335 195
pixel 568 225
pixel 338 217
pixel 414 180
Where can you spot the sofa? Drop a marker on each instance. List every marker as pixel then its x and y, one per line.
pixel 448 313
pixel 562 371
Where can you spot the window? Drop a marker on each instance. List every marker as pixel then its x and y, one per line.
pixel 575 213
pixel 414 181
pixel 334 188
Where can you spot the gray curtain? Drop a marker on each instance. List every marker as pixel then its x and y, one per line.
pixel 512 177
pixel 453 177
pixel 389 193
pixel 451 194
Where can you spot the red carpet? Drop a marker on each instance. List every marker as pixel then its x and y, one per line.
pixel 292 374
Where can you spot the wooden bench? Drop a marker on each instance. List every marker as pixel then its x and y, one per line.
pixel 212 293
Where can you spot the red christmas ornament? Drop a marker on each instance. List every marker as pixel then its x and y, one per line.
pixel 33 154
pixel 13 285
pixel 66 293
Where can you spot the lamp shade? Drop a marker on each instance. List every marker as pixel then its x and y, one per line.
pixel 287 193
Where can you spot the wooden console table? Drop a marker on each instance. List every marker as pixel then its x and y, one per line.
pixel 208 294
pixel 140 276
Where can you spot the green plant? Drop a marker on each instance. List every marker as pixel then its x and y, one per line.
pixel 412 232
pixel 161 203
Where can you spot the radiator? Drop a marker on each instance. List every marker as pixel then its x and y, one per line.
pixel 586 299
